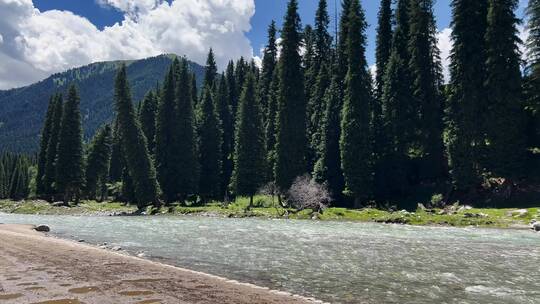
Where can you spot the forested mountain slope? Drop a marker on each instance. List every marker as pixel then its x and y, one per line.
pixel 22 110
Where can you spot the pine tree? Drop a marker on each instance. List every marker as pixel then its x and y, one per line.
pixel 20 179
pixel 465 112
pixel 342 47
pixel 328 166
pixel 225 117
pixel 210 136
pixel 230 74
pixel 384 43
pixel 49 175
pixel 167 140
pixel 138 161
pixel 249 152
pixel 194 91
pixel 533 72
pixel 240 71
pixel 291 145
pixel 317 107
pixel 504 124
pixel 355 142
pixel 2 178
pixel 147 118
pixel 98 161
pixel 270 126
pixel 210 70
pixel 426 72
pixel 308 60
pixel 70 167
pixel 45 137
pixel 269 63
pixel 187 162
pixel 322 39
pixel 117 165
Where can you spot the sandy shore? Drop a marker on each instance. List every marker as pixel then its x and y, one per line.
pixel 35 268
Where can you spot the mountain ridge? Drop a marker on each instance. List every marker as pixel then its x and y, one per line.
pixel 22 110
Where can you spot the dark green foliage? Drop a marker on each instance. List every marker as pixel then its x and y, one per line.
pixel 291 145
pixel 308 60
pixel 117 159
pixel 15 176
pixel 210 70
pixel 270 125
pixel 533 74
pixel 269 63
pixel 210 136
pixel 23 121
pixel 138 162
pixel 316 109
pixel 384 43
pixel 466 106
pixel 49 175
pixel 322 40
pixel 167 140
pixel 504 124
pixel 249 152
pixel 225 116
pixel 147 118
pixel 355 141
pixel 342 47
pixel 240 70
pixel 426 72
pixel 97 163
pixel 187 162
pixel 328 166
pixel 45 138
pixel 69 166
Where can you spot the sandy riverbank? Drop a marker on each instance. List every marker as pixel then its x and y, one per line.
pixel 35 268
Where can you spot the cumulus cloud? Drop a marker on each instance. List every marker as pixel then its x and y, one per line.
pixel 35 44
pixel 444 43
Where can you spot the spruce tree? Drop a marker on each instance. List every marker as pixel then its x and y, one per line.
pixel 291 145
pixel 270 125
pixel 117 165
pixel 426 72
pixel 240 71
pixel 328 167
pixel 2 178
pixel 342 47
pixel 210 70
pixel 45 138
pixel 225 117
pixel 187 162
pixel 317 107
pixel 322 38
pixel 70 167
pixel 210 136
pixel 355 141
pixel 533 72
pixel 504 124
pixel 49 175
pixel 384 43
pixel 230 74
pixel 249 152
pixel 138 162
pixel 308 60
pixel 269 63
pixel 98 161
pixel 465 111
pixel 147 118
pixel 166 138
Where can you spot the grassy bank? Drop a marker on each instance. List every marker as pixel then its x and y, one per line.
pixel 457 216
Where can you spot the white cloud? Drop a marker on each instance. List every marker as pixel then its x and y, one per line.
pixel 37 44
pixel 444 43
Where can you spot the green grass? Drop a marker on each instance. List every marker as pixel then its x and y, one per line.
pixel 264 207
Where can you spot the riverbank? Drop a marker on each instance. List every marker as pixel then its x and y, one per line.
pixel 36 269
pixel 455 216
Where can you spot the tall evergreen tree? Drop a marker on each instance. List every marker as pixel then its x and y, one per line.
pixel 342 47
pixel 147 118
pixel 504 124
pixel 230 74
pixel 533 72
pixel 384 43
pixel 138 161
pixel 270 126
pixel 188 165
pixel 210 70
pixel 225 117
pixel 69 167
pixel 291 145
pixel 240 71
pixel 97 163
pixel 426 71
pixel 117 162
pixel 355 142
pixel 49 175
pixel 45 138
pixel 249 152
pixel 317 107
pixel 322 38
pixel 166 138
pixel 465 111
pixel 328 167
pixel 269 63
pixel 210 136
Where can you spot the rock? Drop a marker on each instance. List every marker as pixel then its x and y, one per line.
pixel 464 208
pixel 475 215
pixel 42 228
pixel 81 241
pixel 518 213
pixel 116 248
pixel 141 254
pixel 421 207
pixel 535 227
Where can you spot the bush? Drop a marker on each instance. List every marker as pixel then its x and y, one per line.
pixel 305 193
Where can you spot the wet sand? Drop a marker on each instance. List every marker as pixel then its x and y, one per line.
pixel 35 268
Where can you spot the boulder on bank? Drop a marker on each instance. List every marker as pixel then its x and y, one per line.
pixel 535 226
pixel 42 228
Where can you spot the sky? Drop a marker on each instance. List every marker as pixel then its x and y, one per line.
pixel 42 37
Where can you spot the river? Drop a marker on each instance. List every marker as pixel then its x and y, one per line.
pixel 338 262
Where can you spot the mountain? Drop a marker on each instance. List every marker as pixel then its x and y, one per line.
pixel 22 110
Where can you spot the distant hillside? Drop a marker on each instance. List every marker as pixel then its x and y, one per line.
pixel 22 110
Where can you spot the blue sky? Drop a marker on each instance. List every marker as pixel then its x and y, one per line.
pixel 42 37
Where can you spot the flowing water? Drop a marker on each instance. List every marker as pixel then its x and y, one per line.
pixel 339 262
